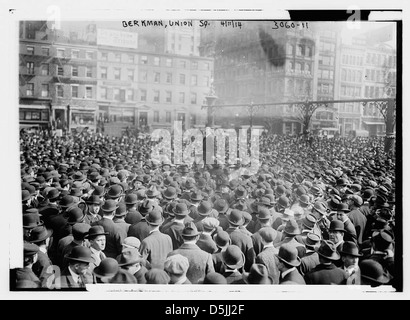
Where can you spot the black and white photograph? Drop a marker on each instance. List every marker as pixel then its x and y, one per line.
pixel 205 153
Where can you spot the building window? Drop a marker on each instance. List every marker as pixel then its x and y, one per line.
pixel 89 72
pixel 103 93
pixel 60 70
pixel 60 53
pixel 74 71
pixel 117 73
pixel 30 67
pixel 156 95
pixel 143 95
pixel 89 92
pixel 75 54
pixel 45 71
pixel 156 77
pixel 131 74
pixel 117 57
pixel 193 98
pixel 168 117
pixel 300 50
pixel 45 51
pixel 168 62
pixel 144 76
pixel 59 91
pixel 169 77
pixel 168 97
pixel 74 91
pixel 30 50
pixel 182 64
pixel 308 51
pixel 206 81
pixel 156 61
pixel 104 56
pixel 156 116
pixel 89 55
pixel 182 78
pixel 206 65
pixel 144 60
pixel 44 90
pixel 130 94
pixel 30 89
pixel 131 58
pixel 194 65
pixel 181 97
pixel 194 80
pixel 116 92
pixel 103 72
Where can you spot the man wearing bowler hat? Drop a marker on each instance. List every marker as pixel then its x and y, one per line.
pixel 140 229
pixel 288 261
pixel 357 217
pixel 92 209
pixel 200 262
pixel 116 235
pixel 109 271
pixel 326 272
pixel 174 229
pixel 97 239
pixel 222 241
pixel 267 255
pixel 290 232
pixel 132 261
pixel 240 239
pixel 233 263
pixel 258 274
pixel 311 258
pixel 350 231
pixel 156 246
pixel 30 252
pixel 77 274
pixel 350 258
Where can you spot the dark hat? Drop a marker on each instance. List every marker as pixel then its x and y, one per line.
pixel 152 192
pixel 309 221
pixel 180 209
pixel 75 214
pixel 258 274
pixel 350 248
pixel 115 191
pixel 235 217
pixel 328 250
pixel 30 249
pixel 265 201
pixel 157 276
pixel 221 238
pixel 268 234
pixel 129 257
pixel 382 240
pixel 284 202
pixel 289 255
pixel 67 201
pixel 342 182
pixel 372 270
pixel 154 217
pixel 333 203
pixel 93 199
pixel 344 207
pixel 240 192
pixel 76 192
pixel 280 190
pixel 304 199
pixel 108 267
pixel 337 225
pixel 312 240
pixel 80 230
pixel 145 207
pixel 78 176
pixel 213 278
pixel 221 205
pixel 291 228
pixel 196 195
pixel 233 257
pixel 31 220
pixel 190 230
pixel 109 205
pixel 53 194
pixel 121 210
pixel 95 231
pixel 131 198
pixel 39 234
pixel 170 193
pixel 204 208
pixel 94 176
pixel 264 214
pixel 81 254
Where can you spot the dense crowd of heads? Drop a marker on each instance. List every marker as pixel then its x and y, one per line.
pixel 99 209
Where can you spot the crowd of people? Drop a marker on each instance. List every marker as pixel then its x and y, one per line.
pixel 99 209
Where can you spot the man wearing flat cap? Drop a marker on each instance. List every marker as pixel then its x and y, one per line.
pixel 177 266
pixel 200 262
pixel 205 241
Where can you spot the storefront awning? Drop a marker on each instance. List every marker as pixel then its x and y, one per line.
pixel 373 123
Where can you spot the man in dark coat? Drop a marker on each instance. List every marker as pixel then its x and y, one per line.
pixel 288 263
